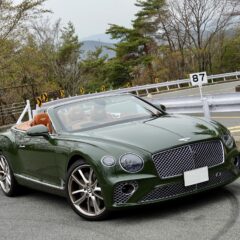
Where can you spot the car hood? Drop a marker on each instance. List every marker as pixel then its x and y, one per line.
pixel 155 134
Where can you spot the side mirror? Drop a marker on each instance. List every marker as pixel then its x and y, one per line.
pixel 39 130
pixel 162 107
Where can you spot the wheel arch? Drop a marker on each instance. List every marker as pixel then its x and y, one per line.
pixel 74 158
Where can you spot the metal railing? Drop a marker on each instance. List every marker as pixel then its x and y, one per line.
pixel 210 104
pixel 178 84
pixel 15 109
pixel 12 109
pixel 158 87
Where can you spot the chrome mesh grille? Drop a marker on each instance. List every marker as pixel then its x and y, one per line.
pixel 217 179
pixel 207 154
pixel 168 191
pixel 173 190
pixel 175 162
pixel 118 196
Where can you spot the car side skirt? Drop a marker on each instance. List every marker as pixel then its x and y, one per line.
pixel 39 185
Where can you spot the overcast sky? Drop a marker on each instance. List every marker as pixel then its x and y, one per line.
pixel 92 17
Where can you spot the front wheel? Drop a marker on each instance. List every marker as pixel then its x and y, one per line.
pixel 84 192
pixel 8 183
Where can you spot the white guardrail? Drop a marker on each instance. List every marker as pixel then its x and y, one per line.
pixel 178 83
pixel 186 105
pixel 209 104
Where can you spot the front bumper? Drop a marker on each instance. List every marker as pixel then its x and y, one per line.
pixel 153 189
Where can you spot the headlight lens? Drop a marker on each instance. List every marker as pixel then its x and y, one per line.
pixel 131 163
pixel 228 140
pixel 108 161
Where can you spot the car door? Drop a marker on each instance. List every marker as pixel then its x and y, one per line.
pixel 37 157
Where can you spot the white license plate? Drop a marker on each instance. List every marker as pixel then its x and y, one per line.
pixel 196 176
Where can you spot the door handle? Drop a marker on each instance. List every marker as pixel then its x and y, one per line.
pixel 22 146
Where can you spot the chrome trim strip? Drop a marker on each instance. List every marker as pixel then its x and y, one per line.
pixel 38 182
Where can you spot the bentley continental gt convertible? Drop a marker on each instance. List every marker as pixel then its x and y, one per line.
pixel 113 152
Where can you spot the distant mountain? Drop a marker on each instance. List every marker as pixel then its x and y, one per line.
pixel 100 38
pixel 90 46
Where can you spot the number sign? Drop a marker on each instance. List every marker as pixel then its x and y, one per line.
pixel 198 79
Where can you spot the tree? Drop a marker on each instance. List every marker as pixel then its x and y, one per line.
pixel 15 17
pixel 93 70
pixel 228 59
pixel 67 68
pixel 199 22
pixel 138 45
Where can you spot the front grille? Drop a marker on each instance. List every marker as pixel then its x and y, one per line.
pixel 173 190
pixel 175 162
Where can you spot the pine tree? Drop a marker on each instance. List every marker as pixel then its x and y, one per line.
pixel 138 44
pixel 67 68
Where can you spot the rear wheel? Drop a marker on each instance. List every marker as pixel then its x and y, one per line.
pixel 8 183
pixel 84 192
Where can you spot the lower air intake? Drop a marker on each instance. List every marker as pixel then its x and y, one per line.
pixel 123 191
pixel 177 189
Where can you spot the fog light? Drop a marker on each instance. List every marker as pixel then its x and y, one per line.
pixel 128 189
pixel 237 162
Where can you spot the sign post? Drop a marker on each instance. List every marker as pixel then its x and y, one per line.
pixel 199 79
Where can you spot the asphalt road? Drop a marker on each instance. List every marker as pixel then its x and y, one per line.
pixel 228 87
pixel 231 120
pixel 208 216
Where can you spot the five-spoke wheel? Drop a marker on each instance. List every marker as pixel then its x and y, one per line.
pixel 84 192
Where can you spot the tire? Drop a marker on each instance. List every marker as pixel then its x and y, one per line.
pixel 8 183
pixel 84 193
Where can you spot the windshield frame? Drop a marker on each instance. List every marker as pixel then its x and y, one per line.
pixel 59 127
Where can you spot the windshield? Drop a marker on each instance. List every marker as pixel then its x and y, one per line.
pixel 99 112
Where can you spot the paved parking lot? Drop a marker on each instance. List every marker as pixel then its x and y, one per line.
pixel 212 215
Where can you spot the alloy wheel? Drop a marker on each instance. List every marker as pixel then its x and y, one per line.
pixel 84 191
pixel 5 175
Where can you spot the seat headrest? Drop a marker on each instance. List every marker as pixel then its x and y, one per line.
pixel 41 118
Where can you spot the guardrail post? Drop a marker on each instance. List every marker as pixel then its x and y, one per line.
pixel 206 109
pixel 29 110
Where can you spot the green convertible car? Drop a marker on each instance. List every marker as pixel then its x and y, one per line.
pixel 115 151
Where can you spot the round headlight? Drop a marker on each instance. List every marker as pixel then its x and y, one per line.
pixel 108 161
pixel 131 163
pixel 228 140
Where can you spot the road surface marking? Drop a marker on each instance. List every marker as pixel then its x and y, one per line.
pixel 226 117
pixel 235 131
pixel 233 128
